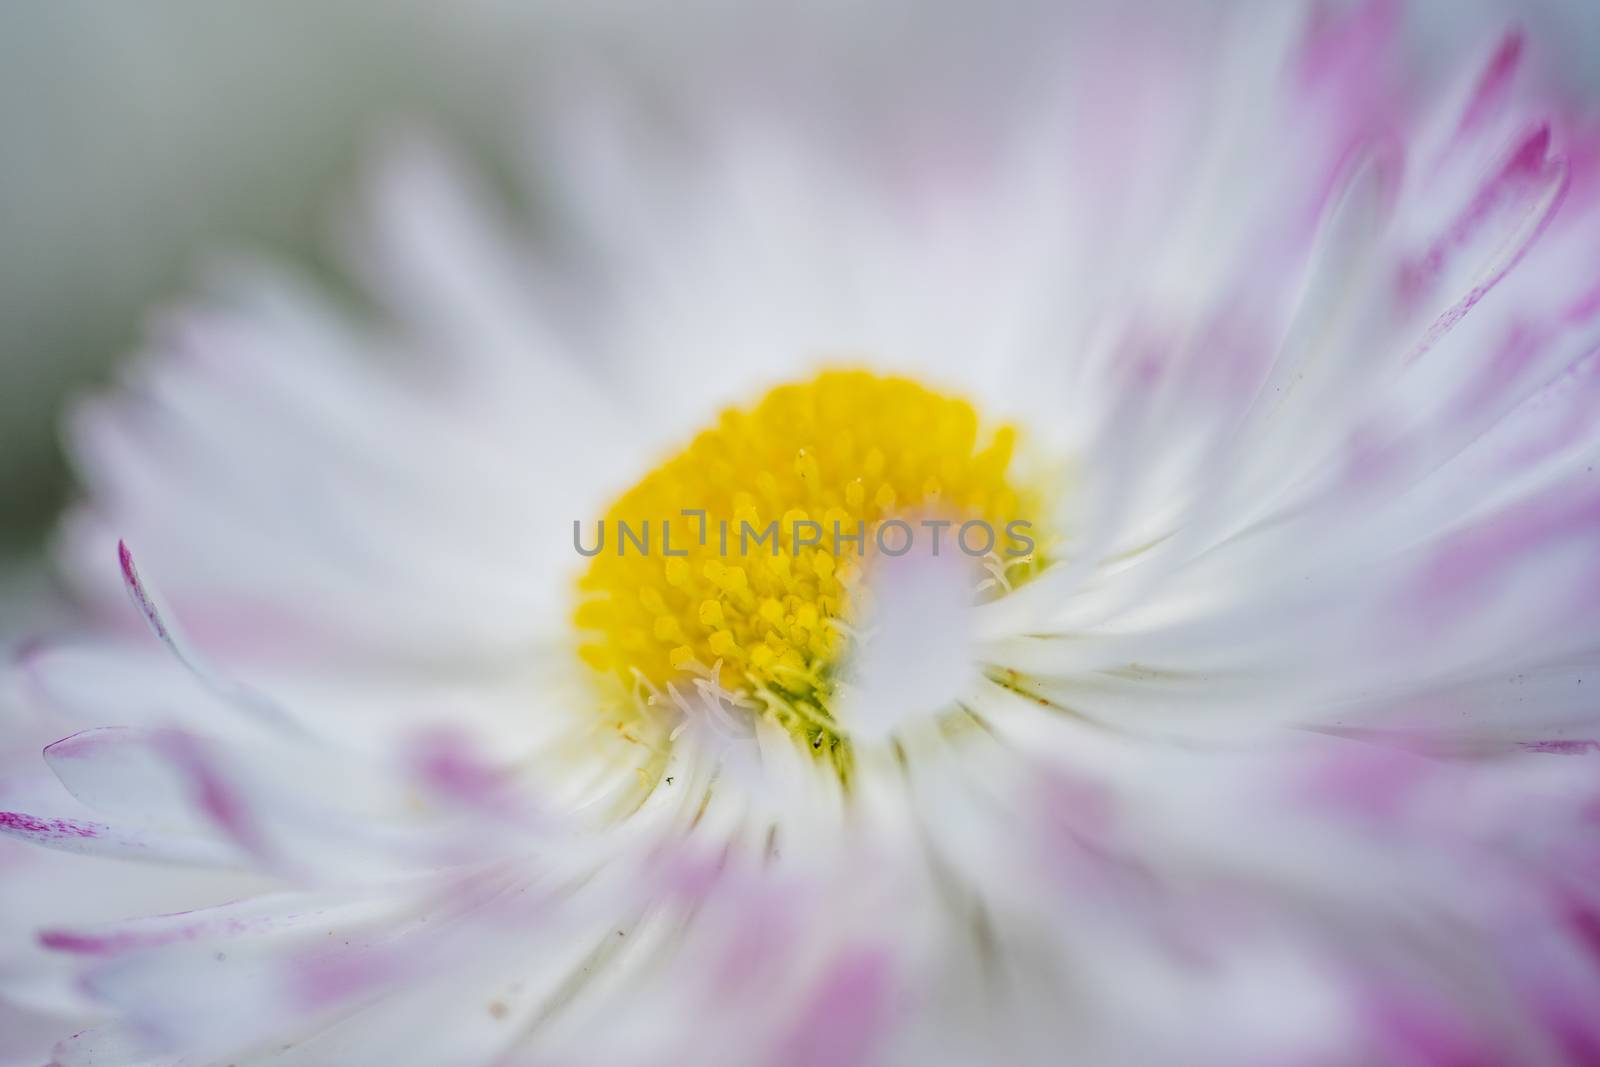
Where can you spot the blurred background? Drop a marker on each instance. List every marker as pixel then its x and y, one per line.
pixel 140 139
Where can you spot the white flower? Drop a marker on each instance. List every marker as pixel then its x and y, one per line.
pixel 1277 748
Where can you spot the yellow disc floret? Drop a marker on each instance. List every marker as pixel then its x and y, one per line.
pixel 738 558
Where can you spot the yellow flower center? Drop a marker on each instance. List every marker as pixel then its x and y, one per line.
pixel 739 559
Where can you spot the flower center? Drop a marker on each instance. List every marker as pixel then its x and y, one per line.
pixel 739 559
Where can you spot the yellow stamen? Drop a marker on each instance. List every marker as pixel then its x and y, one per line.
pixel 772 567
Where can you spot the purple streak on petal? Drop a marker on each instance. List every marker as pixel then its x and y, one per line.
pixel 1419 1029
pixel 1340 44
pixel 140 595
pixel 1077 841
pixel 1575 1028
pixel 102 839
pixel 85 944
pixel 213 793
pixel 1370 458
pixel 447 764
pixel 1375 780
pixel 1077 807
pixel 846 1016
pixel 1564 1003
pixel 85 742
pixel 333 978
pixel 1528 164
pixel 1562 748
pixel 239 696
pixel 1584 918
pixel 1494 85
pixel 1484 554
pixel 1560 987
pixel 34 828
pixel 1585 307
pixel 1529 170
pixel 686 872
pixel 209 791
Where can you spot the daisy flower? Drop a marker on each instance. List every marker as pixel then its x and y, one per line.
pixel 1098 569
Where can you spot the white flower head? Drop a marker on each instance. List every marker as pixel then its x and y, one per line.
pixel 1105 572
